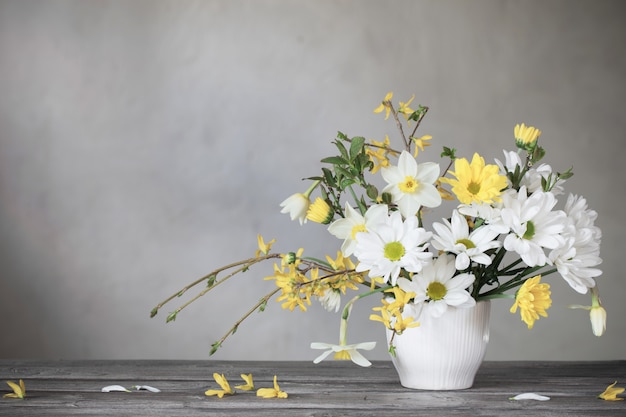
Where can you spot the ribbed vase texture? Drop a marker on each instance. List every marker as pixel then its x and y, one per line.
pixel 443 353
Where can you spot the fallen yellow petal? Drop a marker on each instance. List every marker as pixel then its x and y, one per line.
pixel 220 393
pixel 249 385
pixel 610 393
pixel 272 392
pixel 19 391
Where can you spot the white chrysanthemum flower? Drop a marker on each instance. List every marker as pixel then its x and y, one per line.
pixel 391 246
pixel 533 224
pixel 411 185
pixel 489 213
pixel 331 299
pixel 533 177
pixel 577 259
pixel 437 288
pixel 456 238
pixel 348 227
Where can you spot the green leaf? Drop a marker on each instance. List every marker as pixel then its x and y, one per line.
pixel 356 146
pixel 171 316
pixel 392 350
pixel 214 347
pixel 567 174
pixel 211 280
pixel 335 160
pixel 154 312
pixel 346 182
pixel 342 136
pixel 263 306
pixel 329 177
pixel 342 149
pixel 324 193
pixel 448 152
pixel 343 172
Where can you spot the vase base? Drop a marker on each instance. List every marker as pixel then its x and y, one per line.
pixel 432 387
pixel 443 353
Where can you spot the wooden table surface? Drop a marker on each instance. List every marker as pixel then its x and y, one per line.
pixel 332 388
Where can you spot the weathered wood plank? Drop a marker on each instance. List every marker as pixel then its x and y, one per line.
pixel 72 388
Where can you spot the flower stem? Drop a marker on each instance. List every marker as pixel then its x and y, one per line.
pixel 235 326
pixel 212 276
pixel 345 314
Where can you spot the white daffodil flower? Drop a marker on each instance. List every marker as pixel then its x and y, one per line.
pixel 411 185
pixel 296 205
pixel 597 313
pixel 344 352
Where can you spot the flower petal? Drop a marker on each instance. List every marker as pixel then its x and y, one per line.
pixel 530 396
pixel 146 387
pixel 114 388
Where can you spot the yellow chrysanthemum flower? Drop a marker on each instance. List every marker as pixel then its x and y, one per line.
pixel 533 299
pixel 272 392
pixel 385 105
pixel 526 136
pixel 475 181
pixel 319 211
pixel 611 393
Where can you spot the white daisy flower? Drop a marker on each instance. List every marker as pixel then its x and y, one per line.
pixel 489 213
pixel 456 238
pixel 437 288
pixel 348 227
pixel 411 185
pixel 533 225
pixel 391 246
pixel 577 259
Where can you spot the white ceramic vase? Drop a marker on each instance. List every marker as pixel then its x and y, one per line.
pixel 443 353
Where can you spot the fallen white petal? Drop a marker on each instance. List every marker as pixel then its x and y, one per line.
pixel 530 396
pixel 146 387
pixel 114 388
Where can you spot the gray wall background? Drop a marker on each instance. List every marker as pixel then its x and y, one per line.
pixel 144 143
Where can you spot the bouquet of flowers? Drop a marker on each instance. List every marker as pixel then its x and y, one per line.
pixel 503 235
